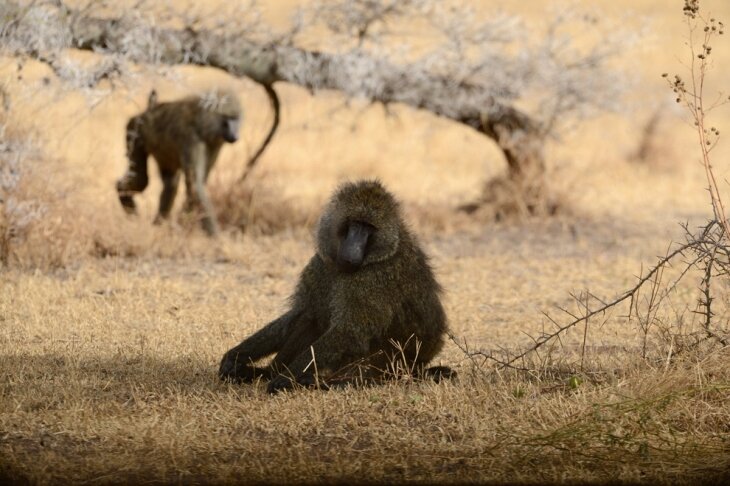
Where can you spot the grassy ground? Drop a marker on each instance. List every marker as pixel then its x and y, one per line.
pixel 111 330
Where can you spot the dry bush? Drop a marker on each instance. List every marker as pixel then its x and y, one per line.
pixel 503 199
pixel 508 198
pixel 655 147
pixel 677 312
pixel 39 218
pixel 257 209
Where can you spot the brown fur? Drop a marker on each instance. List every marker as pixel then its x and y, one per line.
pixel 367 301
pixel 183 136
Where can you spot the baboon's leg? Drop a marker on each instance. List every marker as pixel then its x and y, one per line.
pixel 135 180
pixel 170 182
pixel 301 337
pixel 212 157
pixel 339 345
pixel 197 196
pixel 237 363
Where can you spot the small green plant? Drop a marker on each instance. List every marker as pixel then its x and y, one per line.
pixel 574 382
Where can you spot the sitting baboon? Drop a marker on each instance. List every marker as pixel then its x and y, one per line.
pixel 366 302
pixel 184 135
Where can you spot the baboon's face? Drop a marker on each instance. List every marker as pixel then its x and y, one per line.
pixel 229 128
pixel 221 116
pixel 360 226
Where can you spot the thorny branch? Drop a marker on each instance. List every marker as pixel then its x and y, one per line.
pixel 710 249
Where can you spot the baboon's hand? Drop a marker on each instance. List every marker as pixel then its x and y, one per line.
pixel 280 383
pixel 235 369
pixel 308 380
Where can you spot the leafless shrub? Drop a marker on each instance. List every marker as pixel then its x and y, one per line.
pixel 704 256
pixel 256 209
pixel 35 227
pixel 693 97
pixel 17 213
pixel 654 147
pixel 36 29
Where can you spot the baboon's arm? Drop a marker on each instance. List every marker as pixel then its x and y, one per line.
pixel 346 341
pixel 237 363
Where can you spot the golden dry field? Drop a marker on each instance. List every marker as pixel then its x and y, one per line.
pixel 111 329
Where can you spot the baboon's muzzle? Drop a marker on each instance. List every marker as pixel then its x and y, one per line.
pixel 230 130
pixel 353 246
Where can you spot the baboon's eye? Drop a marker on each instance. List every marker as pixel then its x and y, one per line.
pixel 371 240
pixel 345 227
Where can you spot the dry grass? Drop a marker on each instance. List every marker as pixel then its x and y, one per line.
pixel 113 379
pixel 111 329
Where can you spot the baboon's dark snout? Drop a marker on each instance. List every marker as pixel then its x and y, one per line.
pixel 353 246
pixel 230 130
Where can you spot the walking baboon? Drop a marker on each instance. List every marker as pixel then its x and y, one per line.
pixel 365 301
pixel 184 135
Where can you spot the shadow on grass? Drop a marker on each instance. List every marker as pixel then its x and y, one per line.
pixel 45 399
pixel 68 419
pixel 44 381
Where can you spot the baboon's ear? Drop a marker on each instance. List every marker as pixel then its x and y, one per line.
pixel 152 99
pixel 327 242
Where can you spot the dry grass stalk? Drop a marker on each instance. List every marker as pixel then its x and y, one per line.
pixel 694 97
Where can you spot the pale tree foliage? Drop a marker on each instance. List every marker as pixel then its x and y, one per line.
pixel 17 211
pixel 518 84
pixel 500 54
